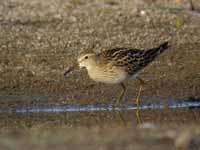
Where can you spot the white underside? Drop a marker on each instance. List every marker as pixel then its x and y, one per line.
pixel 109 77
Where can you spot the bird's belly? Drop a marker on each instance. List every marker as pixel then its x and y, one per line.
pixel 108 77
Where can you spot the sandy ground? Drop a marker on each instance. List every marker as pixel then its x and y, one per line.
pixel 160 130
pixel 94 138
pixel 39 40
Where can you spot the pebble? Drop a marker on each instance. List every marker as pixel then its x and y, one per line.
pixel 188 139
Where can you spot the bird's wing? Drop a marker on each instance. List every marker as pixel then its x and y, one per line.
pixel 128 59
pixel 132 60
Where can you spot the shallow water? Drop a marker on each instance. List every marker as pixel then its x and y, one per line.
pixel 97 108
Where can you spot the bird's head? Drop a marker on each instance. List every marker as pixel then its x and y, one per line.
pixel 87 60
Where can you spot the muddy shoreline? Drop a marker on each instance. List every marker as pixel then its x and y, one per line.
pixel 37 47
pixel 39 40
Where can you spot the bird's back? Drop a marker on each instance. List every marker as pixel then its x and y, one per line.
pixel 131 60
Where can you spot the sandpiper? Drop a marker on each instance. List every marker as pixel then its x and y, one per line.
pixel 116 65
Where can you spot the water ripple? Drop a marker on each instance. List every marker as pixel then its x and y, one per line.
pixel 97 108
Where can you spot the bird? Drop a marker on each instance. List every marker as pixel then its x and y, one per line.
pixel 114 66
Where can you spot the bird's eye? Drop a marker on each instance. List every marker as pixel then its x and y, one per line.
pixel 86 57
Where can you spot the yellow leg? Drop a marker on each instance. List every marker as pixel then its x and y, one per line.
pixel 119 101
pixel 137 102
pixel 122 93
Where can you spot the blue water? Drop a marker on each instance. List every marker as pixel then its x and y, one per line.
pixel 97 108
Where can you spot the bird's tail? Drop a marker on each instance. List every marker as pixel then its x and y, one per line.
pixel 152 53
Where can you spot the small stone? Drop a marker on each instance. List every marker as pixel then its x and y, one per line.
pixel 188 139
pixel 142 12
pixel 147 126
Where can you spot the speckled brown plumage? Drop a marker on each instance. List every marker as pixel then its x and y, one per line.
pixel 116 65
pixel 131 60
pixel 119 64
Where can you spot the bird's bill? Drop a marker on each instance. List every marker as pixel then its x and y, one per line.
pixel 70 69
